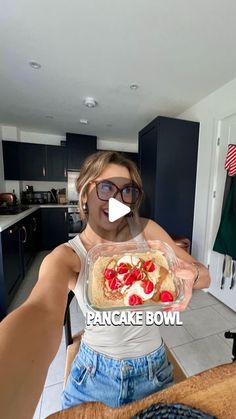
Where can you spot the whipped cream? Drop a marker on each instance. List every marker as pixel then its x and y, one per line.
pixel 138 290
pixel 132 260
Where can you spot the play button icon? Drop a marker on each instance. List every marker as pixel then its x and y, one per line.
pixel 116 210
pixel 112 209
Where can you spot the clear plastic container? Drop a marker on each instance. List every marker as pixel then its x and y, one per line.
pixel 132 276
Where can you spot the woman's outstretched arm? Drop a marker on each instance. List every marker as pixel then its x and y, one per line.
pixel 30 336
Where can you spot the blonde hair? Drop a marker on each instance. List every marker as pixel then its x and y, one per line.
pixel 94 165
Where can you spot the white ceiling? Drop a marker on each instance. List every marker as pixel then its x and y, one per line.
pixel 178 51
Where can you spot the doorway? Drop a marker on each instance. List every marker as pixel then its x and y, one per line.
pixel 226 135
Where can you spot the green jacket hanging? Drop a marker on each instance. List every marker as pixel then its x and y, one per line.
pixel 225 242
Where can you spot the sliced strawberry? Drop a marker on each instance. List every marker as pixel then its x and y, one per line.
pixel 109 273
pixel 137 274
pixel 129 279
pixel 114 284
pixel 166 296
pixel 123 268
pixel 149 266
pixel 147 286
pixel 134 300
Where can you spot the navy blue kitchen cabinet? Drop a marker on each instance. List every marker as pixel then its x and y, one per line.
pixel 29 238
pixel 56 163
pixel 168 150
pixel 19 244
pixel 29 161
pixel 79 147
pixel 24 161
pixel 35 231
pixel 32 161
pixel 43 162
pixel 11 269
pixel 11 160
pixel 54 227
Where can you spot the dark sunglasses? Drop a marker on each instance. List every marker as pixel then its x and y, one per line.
pixel 106 189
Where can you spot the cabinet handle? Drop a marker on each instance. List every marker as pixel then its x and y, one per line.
pixel 65 215
pixel 13 230
pixel 65 172
pixel 25 231
pixel 43 171
pixel 35 224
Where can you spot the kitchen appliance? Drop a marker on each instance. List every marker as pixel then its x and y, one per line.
pixel 29 188
pixel 74 220
pixel 75 224
pixel 9 206
pixel 8 199
pixel 72 194
pixel 36 197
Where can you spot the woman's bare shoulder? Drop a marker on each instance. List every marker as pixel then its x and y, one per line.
pixel 65 258
pixel 152 230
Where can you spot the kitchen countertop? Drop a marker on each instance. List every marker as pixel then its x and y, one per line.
pixel 8 220
pixel 212 391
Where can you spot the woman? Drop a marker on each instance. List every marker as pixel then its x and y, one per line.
pixel 114 365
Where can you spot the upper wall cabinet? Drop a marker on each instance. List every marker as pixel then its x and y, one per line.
pixel 56 168
pixel 32 161
pixel 11 160
pixel 79 147
pixel 29 161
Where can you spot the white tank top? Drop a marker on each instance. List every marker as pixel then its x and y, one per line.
pixel 123 341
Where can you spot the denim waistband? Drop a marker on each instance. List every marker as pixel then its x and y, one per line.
pixel 145 365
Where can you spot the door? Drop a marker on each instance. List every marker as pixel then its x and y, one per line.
pixel 12 263
pixel 148 161
pixel 32 161
pixel 79 147
pixel 56 163
pixel 25 239
pixel 35 231
pixel 226 135
pixel 54 227
pixel 11 160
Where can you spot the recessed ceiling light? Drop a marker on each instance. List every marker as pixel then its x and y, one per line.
pixel 134 86
pixel 90 102
pixel 83 121
pixel 35 65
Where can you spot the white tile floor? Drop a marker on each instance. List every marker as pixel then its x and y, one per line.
pixel 198 345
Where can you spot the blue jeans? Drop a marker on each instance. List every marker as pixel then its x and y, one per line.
pixel 114 382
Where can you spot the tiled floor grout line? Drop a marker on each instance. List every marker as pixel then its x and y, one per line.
pixel 203 337
pixel 225 342
pixel 208 305
pixel 197 340
pixel 223 315
pixel 178 360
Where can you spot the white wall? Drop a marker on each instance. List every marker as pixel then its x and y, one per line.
pixel 209 111
pixel 115 144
